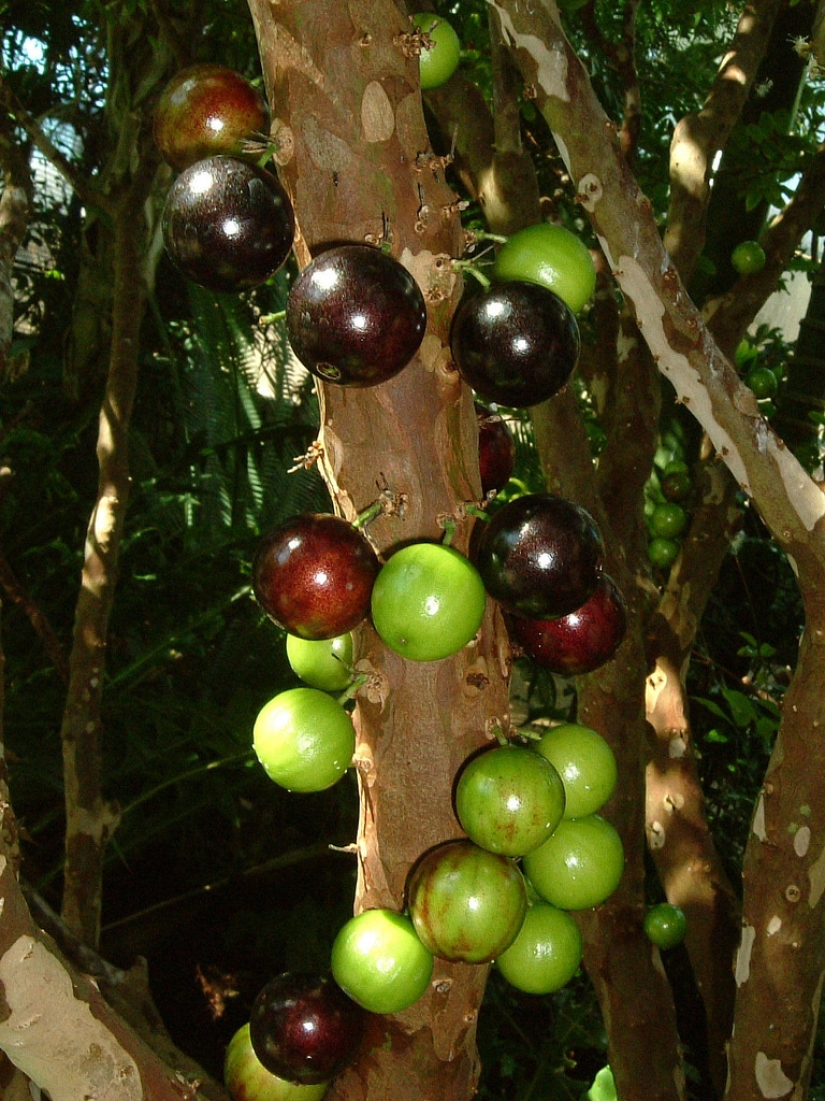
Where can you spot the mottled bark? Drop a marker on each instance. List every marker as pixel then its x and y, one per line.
pixel 14 212
pixel 354 154
pixel 699 136
pixel 90 819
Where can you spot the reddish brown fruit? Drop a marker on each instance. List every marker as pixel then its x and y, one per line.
pixel 314 575
pixel 205 110
pixel 581 641
pixel 496 451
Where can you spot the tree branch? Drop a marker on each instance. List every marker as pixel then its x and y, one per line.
pixel 700 136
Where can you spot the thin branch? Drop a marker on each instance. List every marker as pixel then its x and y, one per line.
pixel 17 593
pixel 698 137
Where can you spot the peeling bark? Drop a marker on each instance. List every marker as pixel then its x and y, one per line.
pixel 355 156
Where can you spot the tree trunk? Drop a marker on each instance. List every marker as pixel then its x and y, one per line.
pixel 353 151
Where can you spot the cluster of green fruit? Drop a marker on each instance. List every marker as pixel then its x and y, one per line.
pixel 667 496
pixel 761 370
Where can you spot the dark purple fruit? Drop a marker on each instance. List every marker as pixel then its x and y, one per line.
pixel 304 1028
pixel 581 641
pixel 355 316
pixel 227 224
pixel 496 451
pixel 539 556
pixel 205 110
pixel 515 343
pixel 314 575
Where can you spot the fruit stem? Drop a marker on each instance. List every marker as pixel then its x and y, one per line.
pixel 450 527
pixel 271 318
pixel 350 691
pixel 386 503
pixel 483 235
pixel 471 269
pixel 477 511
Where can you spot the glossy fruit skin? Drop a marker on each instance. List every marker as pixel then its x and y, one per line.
pixel 668 521
pixel 665 925
pixel 763 382
pixel 540 555
pixel 748 257
pixel 546 954
pixel 437 63
pixel 580 866
pixel 355 316
pixel 509 799
pixel 227 225
pixel 304 1028
pixel 321 663
pixel 304 740
pixel 676 485
pixel 378 961
pixel 663 552
pixel 515 343
pixel 467 904
pixel 207 110
pixel 247 1079
pixel 313 575
pixel 586 764
pixel 552 256
pixel 496 451
pixel 428 602
pixel 580 641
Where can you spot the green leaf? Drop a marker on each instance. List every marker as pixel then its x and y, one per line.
pixel 741 708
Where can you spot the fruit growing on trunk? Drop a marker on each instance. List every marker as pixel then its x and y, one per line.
pixel 748 257
pixel 515 343
pixel 665 925
pixel 540 556
pixel 428 602
pixel 438 62
pixel 247 1079
pixel 378 961
pixel 509 799
pixel 586 764
pixel 304 1028
pixel 552 256
pixel 579 866
pixel 227 225
pixel 496 451
pixel 580 641
pixel 314 575
pixel 668 521
pixel 466 904
pixel 547 952
pixel 355 316
pixel 321 663
pixel 206 110
pixel 304 739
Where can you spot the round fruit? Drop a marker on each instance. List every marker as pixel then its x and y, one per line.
pixel 676 485
pixel 496 451
pixel 355 316
pixel 205 110
pixel 227 225
pixel 546 954
pixel 304 739
pixel 466 904
pixel 378 960
pixel 552 256
pixel 427 602
pixel 304 1028
pixel 509 799
pixel 314 575
pixel 665 925
pixel 585 763
pixel 579 866
pixel 663 552
pixel 748 257
pixel 438 62
pixel 515 343
pixel 667 521
pixel 763 382
pixel 247 1079
pixel 580 641
pixel 321 663
pixel 539 556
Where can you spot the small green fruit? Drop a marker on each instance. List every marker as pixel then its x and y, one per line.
pixel 748 257
pixel 438 62
pixel 665 925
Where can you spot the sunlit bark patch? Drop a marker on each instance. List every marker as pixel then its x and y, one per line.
pixel 771 1079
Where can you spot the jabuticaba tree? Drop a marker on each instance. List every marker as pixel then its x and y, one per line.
pixel 353 151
